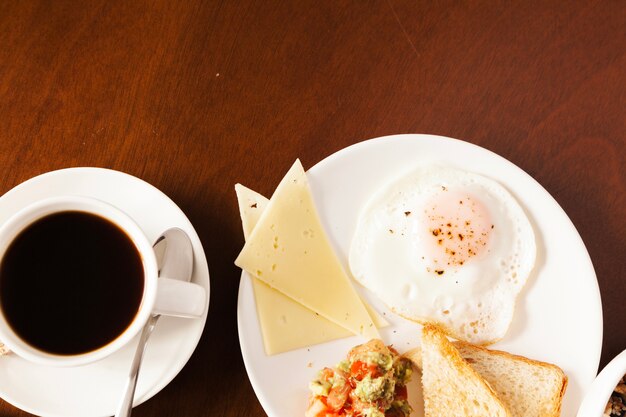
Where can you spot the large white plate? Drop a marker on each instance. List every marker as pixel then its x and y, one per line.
pixel 558 317
pixel 95 390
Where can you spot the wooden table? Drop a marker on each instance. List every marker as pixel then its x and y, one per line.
pixel 196 96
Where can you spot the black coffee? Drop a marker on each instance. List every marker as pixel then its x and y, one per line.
pixel 70 283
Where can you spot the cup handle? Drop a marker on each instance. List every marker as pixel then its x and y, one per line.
pixel 179 298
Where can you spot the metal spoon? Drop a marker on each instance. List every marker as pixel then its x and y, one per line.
pixel 175 259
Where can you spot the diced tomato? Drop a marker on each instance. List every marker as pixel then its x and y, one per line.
pixel 360 370
pixel 394 412
pixel 401 392
pixel 316 408
pixel 338 396
pixel 358 406
pixel 342 399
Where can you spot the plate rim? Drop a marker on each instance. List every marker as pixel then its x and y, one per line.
pixel 320 165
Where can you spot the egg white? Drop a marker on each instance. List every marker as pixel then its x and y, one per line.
pixel 473 300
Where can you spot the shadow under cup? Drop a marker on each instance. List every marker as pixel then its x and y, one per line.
pixel 72 282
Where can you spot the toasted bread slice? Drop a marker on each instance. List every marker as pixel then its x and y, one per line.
pixel 3 349
pixel 451 386
pixel 527 387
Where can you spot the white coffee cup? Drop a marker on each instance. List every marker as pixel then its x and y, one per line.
pixel 598 395
pixel 160 295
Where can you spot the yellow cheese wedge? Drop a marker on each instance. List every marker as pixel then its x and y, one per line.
pixel 289 251
pixel 251 206
pixel 285 323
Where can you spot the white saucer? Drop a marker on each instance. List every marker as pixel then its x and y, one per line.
pixel 95 390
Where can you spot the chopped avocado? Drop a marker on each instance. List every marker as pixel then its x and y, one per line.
pixel 403 406
pixel 370 382
pixel 383 360
pixel 372 389
pixel 344 366
pixel 373 412
pixel 402 371
pixel 319 388
pixel 339 382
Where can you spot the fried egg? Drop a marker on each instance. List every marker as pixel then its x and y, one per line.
pixel 447 246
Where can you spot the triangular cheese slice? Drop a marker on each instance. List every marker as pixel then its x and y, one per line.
pixel 285 323
pixel 251 206
pixel 451 386
pixel 289 251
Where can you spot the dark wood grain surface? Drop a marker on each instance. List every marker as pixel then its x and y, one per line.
pixel 195 96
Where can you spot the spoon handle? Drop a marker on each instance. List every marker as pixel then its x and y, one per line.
pixel 126 405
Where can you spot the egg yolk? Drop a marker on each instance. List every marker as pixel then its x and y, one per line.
pixel 457 229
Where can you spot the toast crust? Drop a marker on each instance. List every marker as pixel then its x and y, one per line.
pixel 434 338
pixel 553 406
pixel 442 327
pixel 494 368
